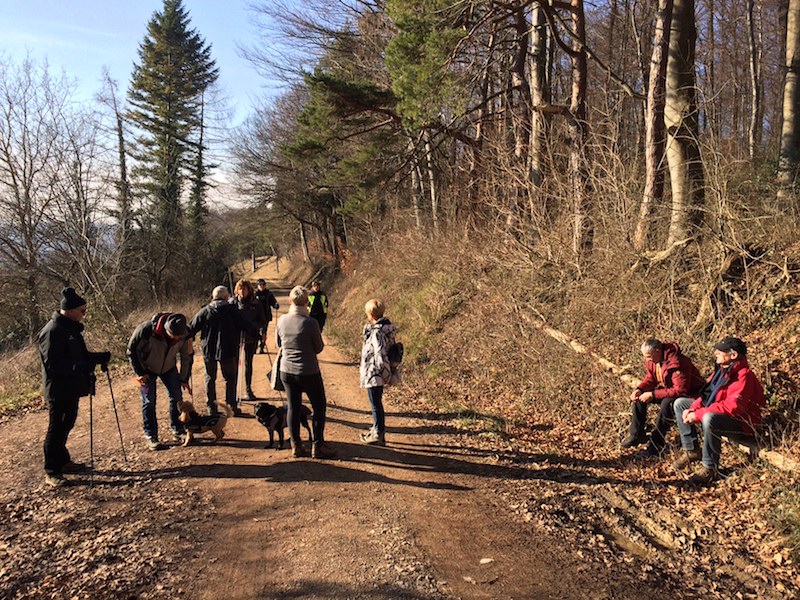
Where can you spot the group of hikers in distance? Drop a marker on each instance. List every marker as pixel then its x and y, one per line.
pixel 162 348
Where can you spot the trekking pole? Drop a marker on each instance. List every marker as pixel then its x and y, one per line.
pixel 116 415
pixel 91 441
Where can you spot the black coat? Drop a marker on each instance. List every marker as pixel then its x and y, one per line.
pixel 253 312
pixel 67 366
pixel 220 326
pixel 268 302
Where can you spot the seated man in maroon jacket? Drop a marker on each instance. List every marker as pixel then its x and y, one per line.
pixel 670 375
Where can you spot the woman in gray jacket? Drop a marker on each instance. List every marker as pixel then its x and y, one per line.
pixel 300 340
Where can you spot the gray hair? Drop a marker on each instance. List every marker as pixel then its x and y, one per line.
pixel 652 345
pixel 299 296
pixel 220 293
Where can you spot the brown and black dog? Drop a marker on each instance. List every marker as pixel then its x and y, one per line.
pixel 197 423
pixel 274 419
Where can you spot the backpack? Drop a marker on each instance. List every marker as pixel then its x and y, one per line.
pixel 395 354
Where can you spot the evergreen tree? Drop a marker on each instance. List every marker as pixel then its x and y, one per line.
pixel 166 94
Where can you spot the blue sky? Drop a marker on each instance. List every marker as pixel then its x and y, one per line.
pixel 82 36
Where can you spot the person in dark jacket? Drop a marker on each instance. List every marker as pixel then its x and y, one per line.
pixel 299 339
pixel 253 312
pixel 153 351
pixel 220 326
pixel 268 302
pixel 729 404
pixel 670 375
pixel 67 374
pixel 318 304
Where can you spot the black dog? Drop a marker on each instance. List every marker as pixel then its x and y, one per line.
pixel 274 419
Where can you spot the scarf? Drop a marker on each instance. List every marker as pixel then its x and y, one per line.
pixel 719 380
pixel 298 310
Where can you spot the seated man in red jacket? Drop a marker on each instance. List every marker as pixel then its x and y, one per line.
pixel 729 404
pixel 670 375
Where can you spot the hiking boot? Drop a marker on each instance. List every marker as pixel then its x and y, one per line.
pixel 237 412
pixel 153 444
pixel 299 451
pixel 251 396
pixel 321 450
pixel 704 476
pixel 634 440
pixel 373 438
pixel 73 467
pixel 685 459
pixel 55 480
pixel 649 452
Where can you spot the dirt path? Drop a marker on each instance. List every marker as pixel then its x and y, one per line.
pixel 425 517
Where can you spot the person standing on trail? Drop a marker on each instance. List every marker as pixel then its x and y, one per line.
pixel 268 302
pixel 250 308
pixel 669 375
pixel 299 338
pixel 67 374
pixel 376 371
pixel 730 404
pixel 318 304
pixel 153 351
pixel 220 326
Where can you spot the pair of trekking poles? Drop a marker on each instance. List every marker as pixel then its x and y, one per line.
pixel 105 369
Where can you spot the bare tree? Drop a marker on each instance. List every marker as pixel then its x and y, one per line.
pixel 680 118
pixel 32 155
pixel 790 131
pixel 654 134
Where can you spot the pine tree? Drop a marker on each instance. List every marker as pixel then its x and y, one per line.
pixel 175 68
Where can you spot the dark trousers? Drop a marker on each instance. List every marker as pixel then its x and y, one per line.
pixel 63 413
pixel 315 390
pixel 376 404
pixel 321 320
pixel 230 370
pixel 665 420
pixel 263 337
pixel 249 351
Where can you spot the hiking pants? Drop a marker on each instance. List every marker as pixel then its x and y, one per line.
pixel 315 390
pixel 714 425
pixel 172 381
pixel 249 352
pixel 376 403
pixel 63 412
pixel 230 370
pixel 665 419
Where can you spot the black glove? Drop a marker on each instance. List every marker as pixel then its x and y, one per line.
pixel 101 358
pixel 104 367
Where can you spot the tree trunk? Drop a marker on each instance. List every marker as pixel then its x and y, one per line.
pixel 680 118
pixel 583 229
pixel 303 244
pixel 654 135
pixel 540 97
pixel 790 131
pixel 432 183
pixel 754 132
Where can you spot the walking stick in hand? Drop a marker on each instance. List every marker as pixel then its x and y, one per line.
pixel 116 414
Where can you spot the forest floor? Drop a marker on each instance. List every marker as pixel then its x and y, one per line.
pixel 442 511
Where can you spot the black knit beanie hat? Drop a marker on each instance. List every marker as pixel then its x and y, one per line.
pixel 70 299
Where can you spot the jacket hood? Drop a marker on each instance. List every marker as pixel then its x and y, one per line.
pixel 384 324
pixel 220 306
pixel 672 353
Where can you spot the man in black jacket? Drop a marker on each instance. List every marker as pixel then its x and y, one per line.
pixel 67 374
pixel 268 302
pixel 153 351
pixel 220 326
pixel 318 304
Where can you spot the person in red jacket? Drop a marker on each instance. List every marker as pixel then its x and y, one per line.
pixel 670 375
pixel 729 404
